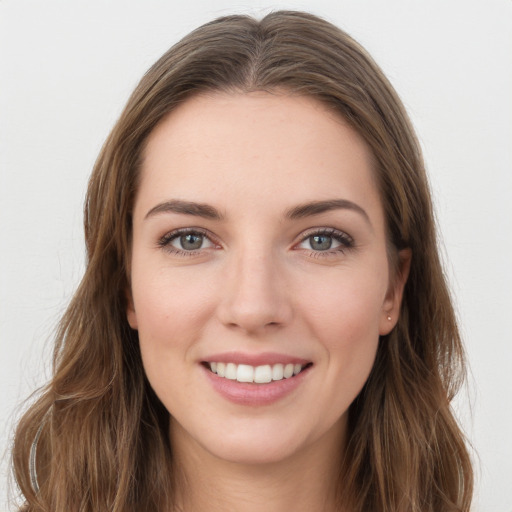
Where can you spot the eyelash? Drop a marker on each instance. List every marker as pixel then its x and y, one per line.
pixel 346 241
pixel 165 241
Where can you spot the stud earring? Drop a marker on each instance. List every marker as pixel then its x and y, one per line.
pixel 389 318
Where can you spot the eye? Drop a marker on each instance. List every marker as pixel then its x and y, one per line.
pixel 186 241
pixel 327 240
pixel 191 242
pixel 321 242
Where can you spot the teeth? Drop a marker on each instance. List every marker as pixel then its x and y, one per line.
pixel 244 373
pixel 257 374
pixel 231 371
pixel 221 369
pixel 277 372
pixel 288 371
pixel 263 374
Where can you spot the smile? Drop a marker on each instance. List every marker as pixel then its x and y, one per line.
pixel 262 374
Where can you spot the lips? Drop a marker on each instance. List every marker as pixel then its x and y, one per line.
pixel 255 379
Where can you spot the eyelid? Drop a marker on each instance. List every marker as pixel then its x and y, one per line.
pixel 164 241
pixel 345 240
pixel 326 231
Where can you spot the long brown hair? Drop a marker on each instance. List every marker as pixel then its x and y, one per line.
pixel 102 434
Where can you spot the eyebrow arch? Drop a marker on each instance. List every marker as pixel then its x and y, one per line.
pixel 186 207
pixel 318 207
pixel 297 212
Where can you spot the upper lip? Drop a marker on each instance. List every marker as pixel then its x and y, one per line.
pixel 260 359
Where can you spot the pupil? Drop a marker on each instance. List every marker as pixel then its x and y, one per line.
pixel 320 242
pixel 191 241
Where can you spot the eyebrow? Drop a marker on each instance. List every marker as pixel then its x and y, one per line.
pixel 318 207
pixel 297 212
pixel 186 207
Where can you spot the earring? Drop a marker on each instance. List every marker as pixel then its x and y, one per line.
pixel 389 318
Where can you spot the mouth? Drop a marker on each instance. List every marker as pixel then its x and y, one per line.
pixel 262 374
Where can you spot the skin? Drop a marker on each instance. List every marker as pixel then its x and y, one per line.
pixel 259 283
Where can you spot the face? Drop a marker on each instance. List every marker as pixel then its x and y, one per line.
pixel 260 280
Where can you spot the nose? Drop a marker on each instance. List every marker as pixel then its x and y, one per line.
pixel 255 297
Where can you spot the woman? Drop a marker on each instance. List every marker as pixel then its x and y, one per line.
pixel 263 321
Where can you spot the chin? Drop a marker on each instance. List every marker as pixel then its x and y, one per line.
pixel 260 451
pixel 263 441
pixel 248 441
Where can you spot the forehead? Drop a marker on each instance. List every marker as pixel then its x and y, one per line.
pixel 253 147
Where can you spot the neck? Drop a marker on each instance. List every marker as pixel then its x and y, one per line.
pixel 305 481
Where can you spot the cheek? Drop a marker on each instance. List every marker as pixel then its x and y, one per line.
pixel 347 308
pixel 344 316
pixel 167 303
pixel 170 315
pixel 170 312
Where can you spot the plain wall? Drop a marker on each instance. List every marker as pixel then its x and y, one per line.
pixel 66 70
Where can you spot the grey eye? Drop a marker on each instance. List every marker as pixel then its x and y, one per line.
pixel 320 242
pixel 191 242
pixel 326 241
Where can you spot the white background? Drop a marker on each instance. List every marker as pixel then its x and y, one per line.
pixel 66 70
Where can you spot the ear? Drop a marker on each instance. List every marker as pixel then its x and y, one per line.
pixel 393 300
pixel 131 315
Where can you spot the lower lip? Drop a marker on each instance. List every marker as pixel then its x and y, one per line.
pixel 244 393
